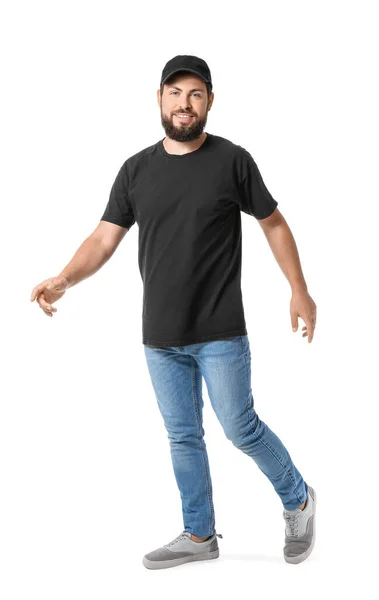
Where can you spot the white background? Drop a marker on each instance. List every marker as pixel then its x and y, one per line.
pixel 87 486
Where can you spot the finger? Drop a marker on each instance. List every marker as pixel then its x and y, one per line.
pixel 310 330
pixel 49 307
pixel 43 303
pixel 294 321
pixel 35 292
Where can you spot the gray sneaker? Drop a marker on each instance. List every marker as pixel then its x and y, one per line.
pixel 300 530
pixel 182 550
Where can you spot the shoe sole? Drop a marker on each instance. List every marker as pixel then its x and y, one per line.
pixel 294 560
pixel 164 564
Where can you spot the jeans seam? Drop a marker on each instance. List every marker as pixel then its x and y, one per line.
pixel 259 438
pixel 195 398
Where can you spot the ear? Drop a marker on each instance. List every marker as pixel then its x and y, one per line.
pixel 210 101
pixel 159 99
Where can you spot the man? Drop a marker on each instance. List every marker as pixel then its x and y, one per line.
pixel 186 193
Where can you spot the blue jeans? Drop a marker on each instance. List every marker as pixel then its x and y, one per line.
pixel 176 374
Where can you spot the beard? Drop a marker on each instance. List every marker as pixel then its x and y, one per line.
pixel 183 132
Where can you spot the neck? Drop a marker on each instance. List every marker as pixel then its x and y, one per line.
pixel 174 147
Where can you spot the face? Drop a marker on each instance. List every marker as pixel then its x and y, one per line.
pixel 184 94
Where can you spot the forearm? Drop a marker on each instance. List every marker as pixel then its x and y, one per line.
pixel 88 259
pixel 283 246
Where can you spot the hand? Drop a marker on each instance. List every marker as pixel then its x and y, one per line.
pixel 49 291
pixel 303 306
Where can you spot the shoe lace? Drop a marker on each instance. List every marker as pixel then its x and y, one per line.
pixel 183 536
pixel 292 521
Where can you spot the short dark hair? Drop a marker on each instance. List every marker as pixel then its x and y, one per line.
pixel 171 79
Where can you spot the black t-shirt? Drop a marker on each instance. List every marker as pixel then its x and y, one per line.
pixel 188 208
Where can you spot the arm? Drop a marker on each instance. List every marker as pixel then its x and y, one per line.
pixel 90 256
pixel 94 252
pixel 283 246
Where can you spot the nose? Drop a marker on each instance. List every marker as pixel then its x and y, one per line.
pixel 187 104
pixel 186 109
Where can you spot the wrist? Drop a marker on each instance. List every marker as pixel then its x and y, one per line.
pixel 68 280
pixel 299 286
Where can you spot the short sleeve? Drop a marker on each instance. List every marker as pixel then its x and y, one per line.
pixel 119 209
pixel 254 197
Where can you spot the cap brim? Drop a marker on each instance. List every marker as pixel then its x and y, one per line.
pixel 190 71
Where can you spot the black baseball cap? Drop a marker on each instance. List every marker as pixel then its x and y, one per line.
pixel 185 62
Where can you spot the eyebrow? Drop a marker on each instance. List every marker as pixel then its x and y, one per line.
pixel 178 88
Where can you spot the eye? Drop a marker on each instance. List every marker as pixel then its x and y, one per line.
pixel 176 92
